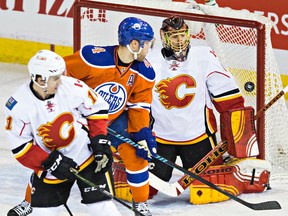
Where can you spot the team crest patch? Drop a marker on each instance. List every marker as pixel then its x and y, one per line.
pixel 114 94
pixel 11 103
pixel 98 50
pixel 174 65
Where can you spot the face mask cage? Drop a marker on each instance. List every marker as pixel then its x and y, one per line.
pixel 177 40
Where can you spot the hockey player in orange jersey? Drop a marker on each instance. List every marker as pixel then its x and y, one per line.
pixel 124 78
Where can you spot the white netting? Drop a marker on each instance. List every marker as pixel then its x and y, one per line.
pixel 240 59
pixel 235 47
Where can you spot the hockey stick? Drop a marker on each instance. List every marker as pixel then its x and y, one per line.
pixel 106 193
pixel 271 102
pixel 255 206
pixel 177 188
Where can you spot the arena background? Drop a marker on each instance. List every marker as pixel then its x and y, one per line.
pixel 28 26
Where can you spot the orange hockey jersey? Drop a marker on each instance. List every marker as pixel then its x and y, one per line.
pixel 124 88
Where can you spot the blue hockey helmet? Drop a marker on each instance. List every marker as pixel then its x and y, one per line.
pixel 132 28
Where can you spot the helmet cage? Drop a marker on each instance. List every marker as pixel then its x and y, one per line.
pixel 170 36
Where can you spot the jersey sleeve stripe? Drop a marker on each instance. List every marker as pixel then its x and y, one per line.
pixel 21 150
pixel 138 105
pixel 102 114
pixel 228 97
pixel 95 117
pixel 235 93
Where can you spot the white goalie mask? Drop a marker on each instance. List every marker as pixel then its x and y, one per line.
pixel 46 64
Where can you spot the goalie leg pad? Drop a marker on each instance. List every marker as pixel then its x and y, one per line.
pixel 238 176
pixel 238 129
pixel 218 175
pixel 122 189
pixel 254 173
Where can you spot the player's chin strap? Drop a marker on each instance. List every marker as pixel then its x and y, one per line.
pixel 42 87
pixel 134 53
pixel 101 190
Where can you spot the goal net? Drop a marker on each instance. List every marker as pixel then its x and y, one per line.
pixel 241 40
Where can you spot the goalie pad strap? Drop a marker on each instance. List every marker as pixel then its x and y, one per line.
pixel 238 129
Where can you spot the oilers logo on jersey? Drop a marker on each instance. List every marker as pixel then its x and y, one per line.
pixel 114 94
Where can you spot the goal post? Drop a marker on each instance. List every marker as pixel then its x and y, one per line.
pixel 240 39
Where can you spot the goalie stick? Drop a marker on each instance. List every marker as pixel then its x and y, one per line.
pixel 269 205
pixel 177 188
pixel 183 183
pixel 106 193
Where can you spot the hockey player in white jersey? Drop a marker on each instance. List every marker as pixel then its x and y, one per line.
pixel 53 123
pixel 189 81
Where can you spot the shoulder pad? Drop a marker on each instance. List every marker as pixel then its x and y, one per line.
pixel 145 69
pixel 97 55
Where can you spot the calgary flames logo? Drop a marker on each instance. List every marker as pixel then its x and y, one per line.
pixel 58 133
pixel 174 92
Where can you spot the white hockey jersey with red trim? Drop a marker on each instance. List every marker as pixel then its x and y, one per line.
pixel 57 123
pixel 185 92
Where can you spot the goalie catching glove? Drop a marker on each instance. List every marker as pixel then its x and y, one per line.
pixel 147 143
pixel 100 146
pixel 59 166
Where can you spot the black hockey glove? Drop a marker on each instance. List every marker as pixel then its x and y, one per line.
pixel 59 166
pixel 100 146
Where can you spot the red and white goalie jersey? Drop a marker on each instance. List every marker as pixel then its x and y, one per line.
pixel 36 127
pixel 185 92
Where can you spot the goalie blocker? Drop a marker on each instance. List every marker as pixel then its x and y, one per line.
pixel 238 129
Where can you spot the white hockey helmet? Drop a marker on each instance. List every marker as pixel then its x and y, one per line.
pixel 46 63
